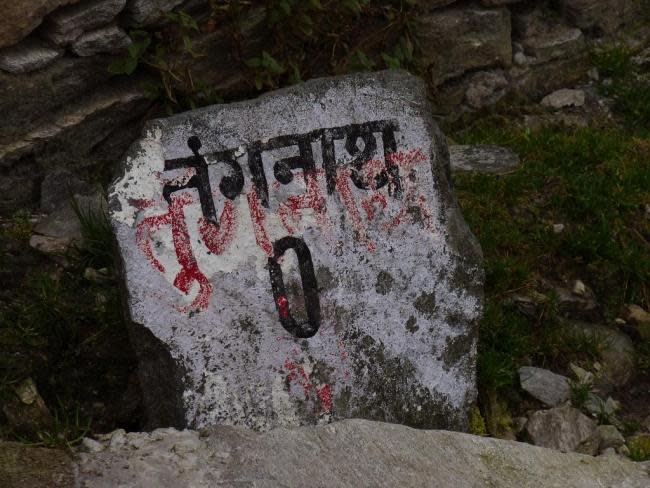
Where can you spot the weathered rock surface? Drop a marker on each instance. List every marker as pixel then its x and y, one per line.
pixel 544 36
pixel 110 39
pixel 351 453
pixel 639 318
pixel 486 88
pixel 29 55
pixel 457 40
pixel 549 388
pixel 482 158
pixel 67 24
pixel 602 15
pixel 22 466
pixel 61 229
pixel 21 17
pixel 149 11
pixel 609 436
pixel 377 321
pixel 563 428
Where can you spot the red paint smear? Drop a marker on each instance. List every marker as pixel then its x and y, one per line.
pixel 143 237
pixel 325 396
pixel 343 186
pixel 218 239
pixel 283 307
pixel 258 216
pixel 141 203
pixel 407 159
pixel 311 199
pixel 189 272
pixel 297 374
pixel 367 204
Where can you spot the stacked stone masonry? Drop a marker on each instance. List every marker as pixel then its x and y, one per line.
pixel 63 109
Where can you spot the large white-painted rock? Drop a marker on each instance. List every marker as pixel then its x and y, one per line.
pixel 300 258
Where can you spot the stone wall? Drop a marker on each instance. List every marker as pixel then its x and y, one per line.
pixel 67 120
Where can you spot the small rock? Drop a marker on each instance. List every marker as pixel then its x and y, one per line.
pixel 563 428
pixel 143 12
pixel 638 317
pixel 617 354
pixel 577 307
pixel 29 55
pixel 609 437
pixel 593 74
pixel 520 59
pixel 26 412
pixel 118 440
pixel 549 388
pixel 69 23
pixel 96 275
pixel 558 228
pixel 485 88
pixel 610 451
pixel 564 98
pixel 482 158
pixel 579 288
pixel 91 445
pixel 109 39
pixel 61 229
pixel 544 37
pixel 519 424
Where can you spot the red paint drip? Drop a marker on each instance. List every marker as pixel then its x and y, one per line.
pixel 218 239
pixel 283 307
pixel 325 396
pixel 257 216
pixel 343 186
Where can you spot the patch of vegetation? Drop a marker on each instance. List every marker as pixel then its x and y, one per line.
pixel 62 325
pixel 301 39
pixel 639 448
pixel 629 87
pixel 594 181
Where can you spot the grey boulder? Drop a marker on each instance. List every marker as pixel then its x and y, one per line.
pixel 352 453
pixel 549 388
pixel 563 428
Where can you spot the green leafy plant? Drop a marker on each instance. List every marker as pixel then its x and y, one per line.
pixel 582 387
pixel 68 429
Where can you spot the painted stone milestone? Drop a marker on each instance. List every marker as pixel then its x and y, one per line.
pixel 300 258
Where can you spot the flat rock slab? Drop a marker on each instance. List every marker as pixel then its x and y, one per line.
pixel 483 158
pixel 351 453
pixel 548 387
pixel 300 258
